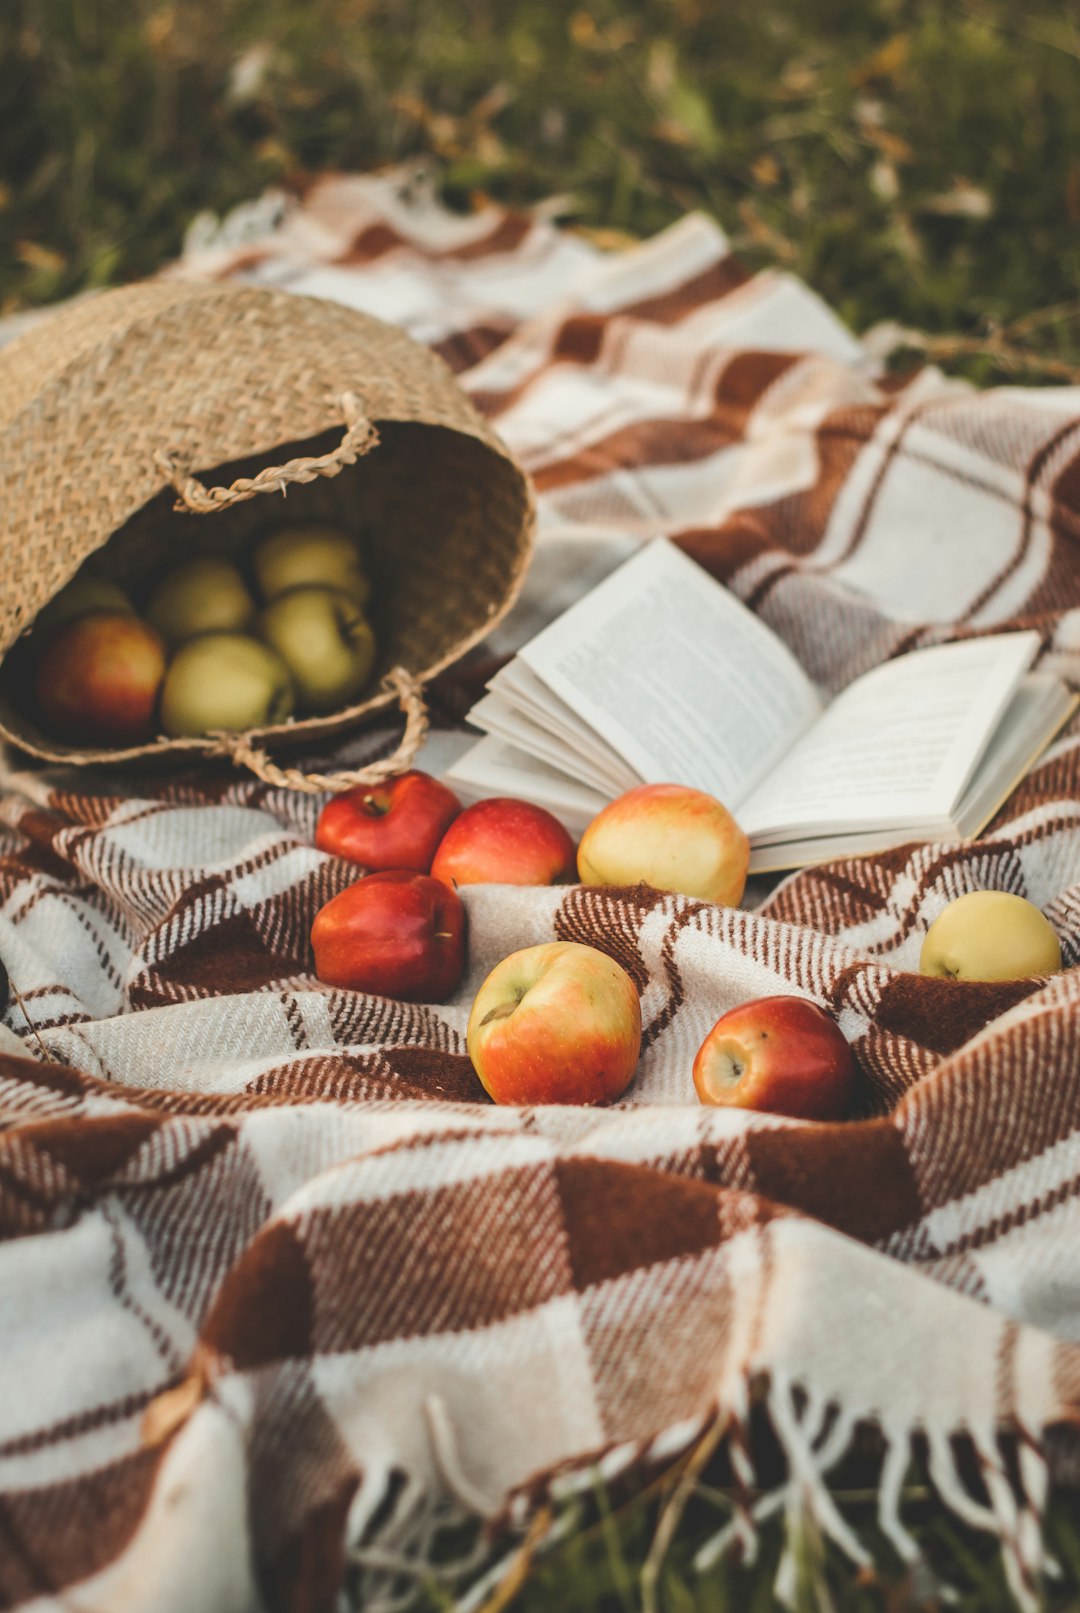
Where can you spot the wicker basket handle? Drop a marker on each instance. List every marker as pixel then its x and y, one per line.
pixel 360 437
pixel 410 695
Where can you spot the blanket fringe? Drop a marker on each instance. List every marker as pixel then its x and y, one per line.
pixel 813 1434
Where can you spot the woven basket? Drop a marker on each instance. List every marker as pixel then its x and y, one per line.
pixel 142 426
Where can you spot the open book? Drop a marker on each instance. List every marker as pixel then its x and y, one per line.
pixel 660 675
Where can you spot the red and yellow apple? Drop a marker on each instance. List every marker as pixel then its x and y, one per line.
pixel 558 1023
pixel 990 935
pixel 397 824
pixel 396 934
pixel 501 841
pixel 782 1054
pixel 670 837
pixel 98 678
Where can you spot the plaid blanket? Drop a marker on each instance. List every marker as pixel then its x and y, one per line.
pixel 282 1292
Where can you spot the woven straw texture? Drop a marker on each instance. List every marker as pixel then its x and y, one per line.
pixel 126 406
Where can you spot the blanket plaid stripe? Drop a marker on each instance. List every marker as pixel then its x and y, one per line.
pixel 282 1291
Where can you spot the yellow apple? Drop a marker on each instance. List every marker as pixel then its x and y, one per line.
pixel 228 681
pixel 326 642
pixel 205 595
pixel 302 556
pixel 990 935
pixel 82 596
pixel 668 836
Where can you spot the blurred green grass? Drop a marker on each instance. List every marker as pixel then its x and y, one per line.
pixel 917 162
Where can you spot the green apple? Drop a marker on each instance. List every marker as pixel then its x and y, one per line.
pixel 325 641
pixel 299 556
pixel 990 935
pixel 82 596
pixel 207 595
pixel 225 680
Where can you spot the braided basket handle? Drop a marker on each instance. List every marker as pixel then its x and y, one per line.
pixel 360 437
pixel 410 696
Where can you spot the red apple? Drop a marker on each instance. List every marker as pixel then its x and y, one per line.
pixel 780 1054
pixel 97 680
pixel 398 824
pixel 504 842
pixel 670 837
pixel 396 934
pixel 559 1023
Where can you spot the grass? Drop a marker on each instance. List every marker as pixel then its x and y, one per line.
pixel 914 162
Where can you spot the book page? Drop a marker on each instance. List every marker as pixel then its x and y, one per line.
pixel 1039 708
pixel 518 729
pixel 897 747
pixel 677 676
pixel 530 696
pixel 491 767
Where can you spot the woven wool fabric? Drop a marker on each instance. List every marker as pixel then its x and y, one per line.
pixel 282 1292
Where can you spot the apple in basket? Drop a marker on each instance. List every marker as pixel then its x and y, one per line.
pixel 990 935
pixel 396 824
pixel 225 681
pixel 780 1054
pixel 670 837
pixel 205 595
pixel 81 597
pixel 557 1023
pixel 501 841
pixel 396 934
pixel 298 556
pixel 326 642
pixel 97 680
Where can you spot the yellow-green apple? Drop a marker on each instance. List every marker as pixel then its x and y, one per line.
pixel 783 1055
pixel 226 681
pixel 204 595
pixel 326 642
pixel 668 836
pixel 81 597
pixel 396 824
pixel 396 934
pixel 501 841
pixel 98 678
pixel 990 935
pixel 296 556
pixel 557 1023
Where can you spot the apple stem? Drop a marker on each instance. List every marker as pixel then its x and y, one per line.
pixel 443 935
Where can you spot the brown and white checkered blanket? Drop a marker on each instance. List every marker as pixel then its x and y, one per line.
pixel 280 1292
